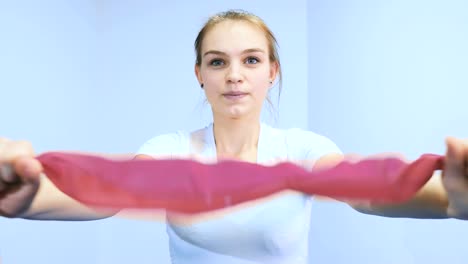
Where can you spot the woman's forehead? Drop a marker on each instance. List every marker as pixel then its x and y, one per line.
pixel 231 36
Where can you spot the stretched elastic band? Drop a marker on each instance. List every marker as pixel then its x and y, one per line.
pixel 189 186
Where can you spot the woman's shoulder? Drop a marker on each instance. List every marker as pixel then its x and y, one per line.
pixel 165 145
pixel 300 136
pixel 176 144
pixel 303 143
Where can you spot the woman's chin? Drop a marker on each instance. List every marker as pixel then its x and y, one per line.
pixel 236 112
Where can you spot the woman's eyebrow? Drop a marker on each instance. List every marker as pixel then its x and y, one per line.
pixel 253 50
pixel 217 52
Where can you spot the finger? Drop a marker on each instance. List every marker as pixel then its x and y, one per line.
pixel 454 169
pixel 20 199
pixel 455 151
pixel 3 141
pixel 24 168
pixel 2 186
pixel 29 168
pixel 465 154
pixel 466 169
pixel 11 150
pixel 7 174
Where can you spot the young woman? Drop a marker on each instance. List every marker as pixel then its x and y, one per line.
pixel 236 65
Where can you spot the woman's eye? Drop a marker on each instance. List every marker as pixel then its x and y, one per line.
pixel 252 60
pixel 216 62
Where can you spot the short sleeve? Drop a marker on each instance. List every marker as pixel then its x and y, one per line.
pixel 309 145
pixel 162 146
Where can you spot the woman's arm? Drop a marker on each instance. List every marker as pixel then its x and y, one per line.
pixel 25 192
pixel 430 202
pixel 51 204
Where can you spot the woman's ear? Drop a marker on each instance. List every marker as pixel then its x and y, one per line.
pixel 274 69
pixel 198 75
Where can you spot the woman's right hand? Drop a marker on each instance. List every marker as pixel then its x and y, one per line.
pixel 19 177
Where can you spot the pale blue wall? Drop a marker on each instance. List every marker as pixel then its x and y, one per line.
pixel 387 76
pixel 105 76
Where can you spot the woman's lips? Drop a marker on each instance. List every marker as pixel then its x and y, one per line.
pixel 234 95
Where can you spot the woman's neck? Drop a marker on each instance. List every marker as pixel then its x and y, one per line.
pixel 236 138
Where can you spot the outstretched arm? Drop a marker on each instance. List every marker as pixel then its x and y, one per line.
pixel 444 196
pixel 25 192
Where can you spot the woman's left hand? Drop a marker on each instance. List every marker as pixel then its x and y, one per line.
pixel 455 177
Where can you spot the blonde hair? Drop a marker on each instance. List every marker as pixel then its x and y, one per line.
pixel 241 15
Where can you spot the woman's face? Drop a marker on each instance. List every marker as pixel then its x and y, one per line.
pixel 235 69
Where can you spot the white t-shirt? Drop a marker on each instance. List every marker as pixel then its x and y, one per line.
pixel 272 230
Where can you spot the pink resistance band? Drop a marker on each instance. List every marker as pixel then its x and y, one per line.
pixel 189 186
